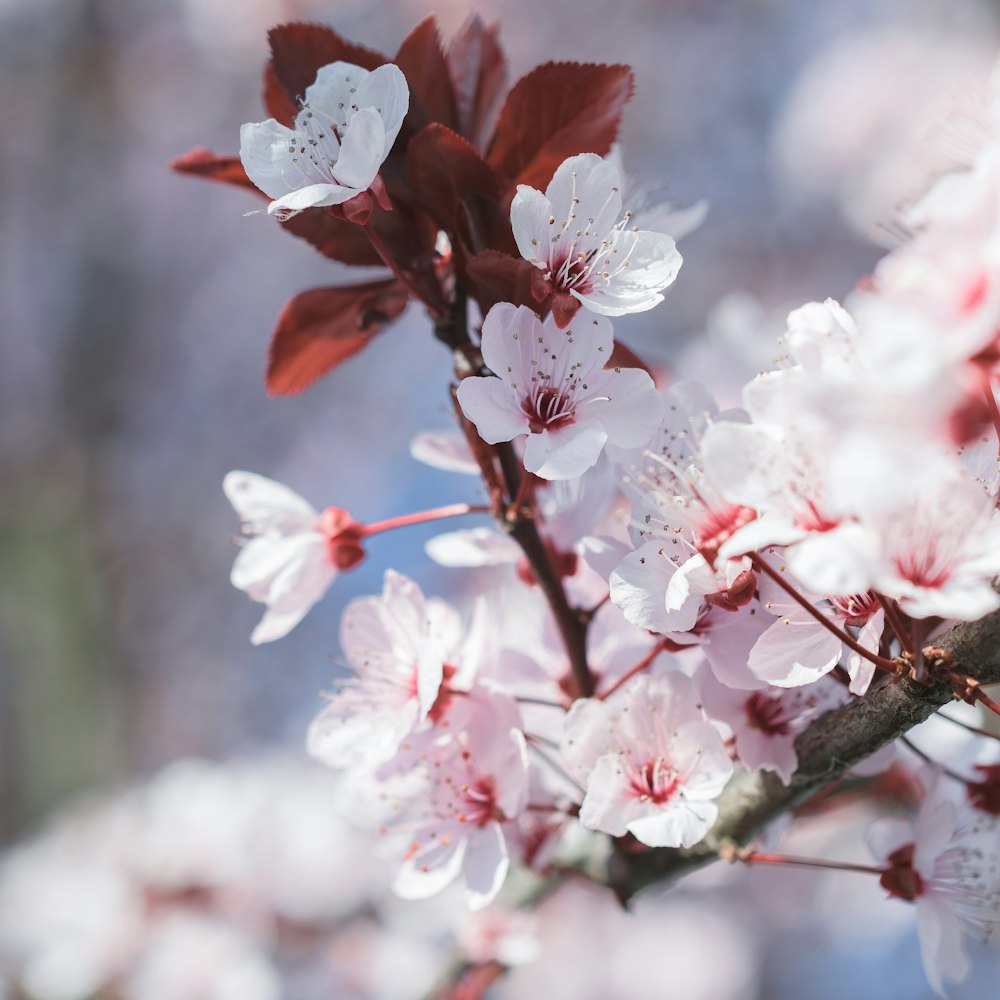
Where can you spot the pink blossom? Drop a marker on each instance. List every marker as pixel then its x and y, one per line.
pixel 797 649
pixel 763 723
pixel 476 784
pixel 552 385
pixel 399 644
pixel 576 234
pixel 652 766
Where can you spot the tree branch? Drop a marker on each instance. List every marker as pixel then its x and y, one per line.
pixel 831 745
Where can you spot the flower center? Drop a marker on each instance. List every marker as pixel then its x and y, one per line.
pixel 899 878
pixel 717 525
pixel 548 409
pixel 656 781
pixel 855 609
pixel 766 714
pixel 479 801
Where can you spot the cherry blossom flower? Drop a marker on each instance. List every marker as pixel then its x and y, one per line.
pixel 679 519
pixel 763 723
pixel 651 764
pixel 347 124
pixel 552 385
pixel 797 649
pixel 477 783
pixel 293 552
pixel 947 864
pixel 576 234
pixel 399 644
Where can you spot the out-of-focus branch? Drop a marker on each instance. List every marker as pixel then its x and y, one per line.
pixel 523 529
pixel 834 743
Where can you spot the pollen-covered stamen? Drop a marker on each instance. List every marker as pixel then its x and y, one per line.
pixel 654 781
pixel 855 609
pixel 547 408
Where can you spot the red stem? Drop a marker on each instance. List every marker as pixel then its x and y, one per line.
pixel 642 665
pixel 422 517
pixel 880 661
pixel 896 623
pixel 969 728
pixel 758 858
pixel 913 748
pixel 984 699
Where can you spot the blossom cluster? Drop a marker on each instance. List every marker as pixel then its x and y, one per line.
pixel 679 591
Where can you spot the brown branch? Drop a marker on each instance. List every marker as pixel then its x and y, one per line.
pixel 831 745
pixel 572 626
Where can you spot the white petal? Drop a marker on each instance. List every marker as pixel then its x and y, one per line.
pixel 473 547
pixel 633 410
pixel 361 151
pixel 941 944
pixel 266 504
pixel 309 197
pixel 445 450
pixel 493 407
pixel 679 824
pixel 487 862
pixel 264 152
pixel 386 90
pixel 639 586
pixel 442 863
pixel 791 653
pixel 530 212
pixel 566 452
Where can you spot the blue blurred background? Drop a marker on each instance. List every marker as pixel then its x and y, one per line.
pixel 138 304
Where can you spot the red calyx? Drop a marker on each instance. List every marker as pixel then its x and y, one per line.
pixel 985 794
pixel 343 537
pixel 900 879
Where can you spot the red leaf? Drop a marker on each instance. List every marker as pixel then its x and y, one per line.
pixel 625 357
pixel 421 59
pixel 479 78
pixel 323 327
pixel 333 238
pixel 276 100
pixel 299 50
pixel 497 277
pixel 444 170
pixel 204 163
pixel 557 111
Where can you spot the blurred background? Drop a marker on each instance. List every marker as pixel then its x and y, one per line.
pixel 137 306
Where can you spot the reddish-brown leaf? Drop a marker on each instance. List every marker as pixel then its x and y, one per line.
pixel 444 170
pixel 276 100
pixel 422 61
pixel 557 111
pixel 323 327
pixel 479 78
pixel 406 237
pixel 299 50
pixel 205 163
pixel 625 357
pixel 497 277
pixel 333 238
